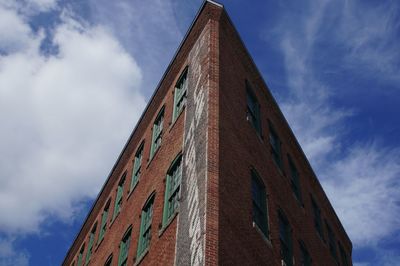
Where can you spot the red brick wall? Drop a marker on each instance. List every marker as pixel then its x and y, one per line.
pixel 152 178
pixel 242 148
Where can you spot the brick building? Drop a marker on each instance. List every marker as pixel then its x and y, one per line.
pixel 212 173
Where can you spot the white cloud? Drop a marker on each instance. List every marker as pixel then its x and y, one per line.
pixel 364 188
pixel 9 256
pixel 370 33
pixel 360 178
pixel 148 30
pixel 64 118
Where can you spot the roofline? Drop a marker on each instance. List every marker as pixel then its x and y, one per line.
pixel 290 129
pixel 142 116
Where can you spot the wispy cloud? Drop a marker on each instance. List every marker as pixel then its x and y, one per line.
pixel 361 178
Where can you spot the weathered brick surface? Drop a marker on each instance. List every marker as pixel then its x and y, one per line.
pixel 233 148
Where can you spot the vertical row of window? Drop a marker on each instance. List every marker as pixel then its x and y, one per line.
pixel 171 205
pixel 259 196
pixel 173 180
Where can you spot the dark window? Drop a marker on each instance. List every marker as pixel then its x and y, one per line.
pixel 275 147
pixel 317 218
pixel 108 261
pixel 285 237
pixel 305 259
pixel 173 182
pixel 332 242
pixel 343 256
pixel 253 109
pixel 294 179
pixel 259 198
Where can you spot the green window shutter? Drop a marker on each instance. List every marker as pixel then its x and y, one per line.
pixel 90 246
pixel 145 227
pixel 173 182
pixel 117 204
pixel 136 167
pixel 166 205
pixel 124 248
pixel 179 94
pixel 103 226
pixel 80 256
pixel 156 135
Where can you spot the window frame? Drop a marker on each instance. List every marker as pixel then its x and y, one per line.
pixel 90 244
pixel 254 116
pixel 305 257
pixel 124 245
pixel 137 166
pixel 172 190
pixel 119 195
pixel 259 207
pixel 157 131
pixel 103 222
pixel 276 146
pixel 286 242
pixel 80 255
pixel 180 94
pixel 145 227
pixel 331 242
pixel 295 179
pixel 317 218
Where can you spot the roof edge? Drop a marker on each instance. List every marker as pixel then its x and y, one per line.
pixel 141 117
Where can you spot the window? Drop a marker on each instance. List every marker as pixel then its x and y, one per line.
pixel 259 198
pixel 90 244
pixel 108 261
pixel 332 242
pixel 253 109
pixel 103 225
pixel 180 94
pixel 137 163
pixel 173 183
pixel 80 256
pixel 317 218
pixel 118 198
pixel 305 259
pixel 124 248
pixel 343 256
pixel 145 227
pixel 285 238
pixel 275 147
pixel 157 132
pixel 294 179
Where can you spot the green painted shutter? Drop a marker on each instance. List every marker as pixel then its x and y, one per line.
pixel 166 200
pixel 90 246
pixel 103 225
pixel 118 201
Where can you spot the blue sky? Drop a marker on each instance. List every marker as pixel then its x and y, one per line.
pixel 76 75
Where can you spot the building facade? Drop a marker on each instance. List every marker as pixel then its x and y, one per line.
pixel 212 173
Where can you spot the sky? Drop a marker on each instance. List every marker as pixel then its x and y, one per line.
pixel 76 75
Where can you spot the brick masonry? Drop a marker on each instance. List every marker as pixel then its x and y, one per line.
pixel 233 148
